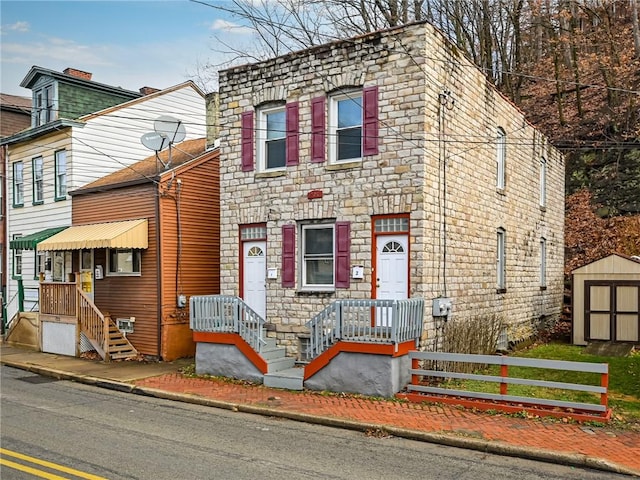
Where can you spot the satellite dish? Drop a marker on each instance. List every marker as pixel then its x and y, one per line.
pixel 154 141
pixel 171 128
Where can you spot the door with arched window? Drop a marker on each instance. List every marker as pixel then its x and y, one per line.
pixel 391 273
pixel 254 276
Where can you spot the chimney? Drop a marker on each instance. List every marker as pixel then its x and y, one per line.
pixel 148 90
pixel 77 73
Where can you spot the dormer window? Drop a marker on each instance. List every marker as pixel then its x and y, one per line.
pixel 43 101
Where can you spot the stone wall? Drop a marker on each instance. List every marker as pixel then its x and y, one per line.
pixel 436 163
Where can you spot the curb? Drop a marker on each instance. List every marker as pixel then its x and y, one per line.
pixel 498 448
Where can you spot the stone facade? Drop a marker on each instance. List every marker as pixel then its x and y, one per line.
pixel 437 118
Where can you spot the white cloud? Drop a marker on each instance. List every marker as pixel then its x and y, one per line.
pixel 230 27
pixel 20 27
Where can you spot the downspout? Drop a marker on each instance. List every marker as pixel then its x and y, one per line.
pixel 158 268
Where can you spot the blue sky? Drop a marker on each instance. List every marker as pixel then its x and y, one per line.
pixel 131 44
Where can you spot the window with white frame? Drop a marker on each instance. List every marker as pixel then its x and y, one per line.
pixel 17 258
pixel 271 136
pixel 501 158
pixel 44 105
pixel 18 184
pixel 318 256
pixel 345 127
pixel 501 260
pixel 61 174
pixel 543 182
pixel 543 262
pixel 38 180
pixel 43 265
pixel 124 261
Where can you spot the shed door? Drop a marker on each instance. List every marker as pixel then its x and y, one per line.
pixel 612 311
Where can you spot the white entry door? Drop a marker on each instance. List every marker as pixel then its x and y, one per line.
pixel 392 267
pixel 255 276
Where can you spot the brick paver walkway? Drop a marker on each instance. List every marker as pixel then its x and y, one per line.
pixel 621 447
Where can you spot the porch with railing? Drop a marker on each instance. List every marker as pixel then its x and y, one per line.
pixel 67 300
pixel 365 321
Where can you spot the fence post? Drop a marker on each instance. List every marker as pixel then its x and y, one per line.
pixel 504 372
pixel 604 382
pixel 415 364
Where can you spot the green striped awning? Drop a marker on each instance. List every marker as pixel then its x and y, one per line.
pixel 29 242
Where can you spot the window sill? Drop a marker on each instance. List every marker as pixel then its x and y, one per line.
pixel 501 191
pixel 315 292
pixel 59 199
pixel 501 290
pixel 18 205
pixel 271 174
pixel 344 166
pixel 38 203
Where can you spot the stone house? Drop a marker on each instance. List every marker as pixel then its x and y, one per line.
pixel 386 166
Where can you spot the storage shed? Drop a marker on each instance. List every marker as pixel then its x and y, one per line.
pixel 606 300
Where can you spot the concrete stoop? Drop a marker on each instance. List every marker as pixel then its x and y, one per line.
pixel 289 379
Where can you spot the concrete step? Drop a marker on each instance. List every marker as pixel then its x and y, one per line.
pixel 289 379
pixel 273 353
pixel 281 363
pixel 270 343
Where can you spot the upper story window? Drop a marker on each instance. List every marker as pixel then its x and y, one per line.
pixel 271 133
pixel 543 182
pixel 501 158
pixel 61 175
pixel 18 184
pixel 124 261
pixel 345 127
pixel 276 134
pixel 501 260
pixel 44 101
pixel 38 180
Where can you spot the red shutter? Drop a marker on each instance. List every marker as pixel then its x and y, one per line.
pixel 292 134
pixel 343 254
pixel 247 141
pixel 288 255
pixel 370 121
pixel 317 129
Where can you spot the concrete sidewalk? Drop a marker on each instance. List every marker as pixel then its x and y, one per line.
pixel 604 448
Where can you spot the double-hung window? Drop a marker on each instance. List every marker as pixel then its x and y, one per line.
pixel 18 184
pixel 501 260
pixel 317 256
pixel 501 158
pixel 38 180
pixel 124 261
pixel 543 263
pixel 44 103
pixel 61 174
pixel 543 182
pixel 272 138
pixel 17 258
pixel 345 127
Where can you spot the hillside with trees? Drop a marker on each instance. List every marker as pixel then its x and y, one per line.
pixel 573 67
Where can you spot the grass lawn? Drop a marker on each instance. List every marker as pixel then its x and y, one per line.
pixel 624 379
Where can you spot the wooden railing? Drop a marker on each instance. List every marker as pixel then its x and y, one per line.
pixel 418 391
pixel 58 298
pixel 93 323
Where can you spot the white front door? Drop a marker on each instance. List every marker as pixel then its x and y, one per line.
pixel 255 276
pixel 392 267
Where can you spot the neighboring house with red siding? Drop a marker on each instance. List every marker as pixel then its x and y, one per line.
pixel 386 166
pixel 15 115
pixel 168 252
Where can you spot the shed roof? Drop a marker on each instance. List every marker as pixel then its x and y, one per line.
pixel 614 263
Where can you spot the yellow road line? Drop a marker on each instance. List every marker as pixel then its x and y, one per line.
pixel 32 471
pixel 37 461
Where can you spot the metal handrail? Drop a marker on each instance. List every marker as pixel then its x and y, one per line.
pixel 226 314
pixel 369 321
